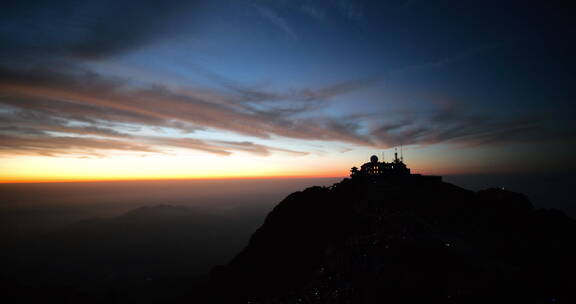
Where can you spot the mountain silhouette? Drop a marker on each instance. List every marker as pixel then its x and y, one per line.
pixel 403 239
pixel 394 240
pixel 139 247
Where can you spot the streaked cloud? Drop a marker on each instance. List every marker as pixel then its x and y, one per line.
pixel 65 145
pixel 55 98
pixel 82 103
pixel 278 21
pixel 40 105
pixel 86 29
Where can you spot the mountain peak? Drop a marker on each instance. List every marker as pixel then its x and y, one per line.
pixel 404 240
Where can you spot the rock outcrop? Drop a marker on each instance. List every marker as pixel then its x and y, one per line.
pixel 399 241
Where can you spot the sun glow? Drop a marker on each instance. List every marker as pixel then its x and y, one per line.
pixel 198 166
pixel 183 164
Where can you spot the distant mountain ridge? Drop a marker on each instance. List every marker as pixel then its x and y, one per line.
pixel 399 241
pixel 147 243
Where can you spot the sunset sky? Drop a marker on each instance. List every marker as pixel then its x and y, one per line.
pixel 105 90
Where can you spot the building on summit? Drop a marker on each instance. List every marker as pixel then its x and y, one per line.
pixel 395 169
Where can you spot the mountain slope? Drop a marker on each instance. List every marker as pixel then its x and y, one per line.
pixel 374 241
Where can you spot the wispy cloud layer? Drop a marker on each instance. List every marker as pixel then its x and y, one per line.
pixel 44 101
pixel 51 103
pixel 51 112
pixel 86 29
pixel 275 19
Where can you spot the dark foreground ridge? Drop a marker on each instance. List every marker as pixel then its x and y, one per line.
pixel 401 240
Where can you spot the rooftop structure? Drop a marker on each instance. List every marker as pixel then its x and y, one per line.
pixel 381 169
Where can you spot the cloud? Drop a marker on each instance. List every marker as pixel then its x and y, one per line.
pixel 217 146
pixel 65 145
pixel 22 140
pixel 45 102
pixel 467 54
pixel 87 95
pixel 453 125
pixel 316 13
pixel 274 18
pixel 254 94
pixel 86 29
pixel 351 10
pixel 50 108
pixel 257 149
pixel 30 120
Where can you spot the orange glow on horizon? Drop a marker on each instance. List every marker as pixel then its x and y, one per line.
pixel 203 166
pixel 341 173
pixel 32 169
pixel 83 180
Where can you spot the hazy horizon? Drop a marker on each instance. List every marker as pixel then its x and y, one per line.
pixel 28 207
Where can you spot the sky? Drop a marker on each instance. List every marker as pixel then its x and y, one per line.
pixel 107 90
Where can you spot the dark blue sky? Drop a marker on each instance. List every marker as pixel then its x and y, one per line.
pixel 465 86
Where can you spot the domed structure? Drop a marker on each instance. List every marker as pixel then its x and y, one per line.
pixel 394 170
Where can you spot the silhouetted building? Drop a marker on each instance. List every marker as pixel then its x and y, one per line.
pixel 395 169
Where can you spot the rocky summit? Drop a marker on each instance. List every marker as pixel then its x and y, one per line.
pixel 398 240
